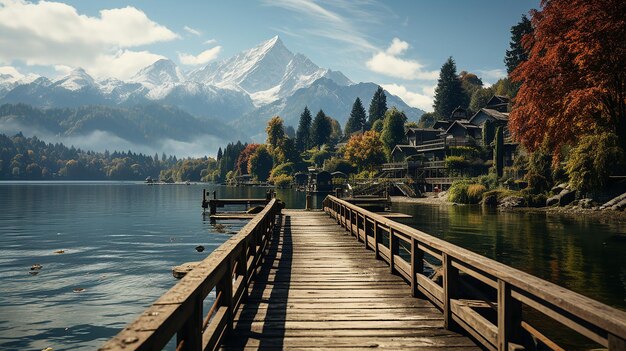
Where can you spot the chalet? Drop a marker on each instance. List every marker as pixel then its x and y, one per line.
pixel 499 103
pixel 494 116
pixel 460 132
pixel 417 136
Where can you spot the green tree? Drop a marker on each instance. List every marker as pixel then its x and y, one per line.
pixel 260 163
pixel 449 93
pixel 479 99
pixel 378 125
pixel 393 130
pixel 303 134
pixel 357 120
pixel 593 160
pixel 321 129
pixel 427 120
pixel 498 152
pixel 378 106
pixel 336 134
pixel 516 53
pixel 219 154
pixel 275 133
pixel 488 133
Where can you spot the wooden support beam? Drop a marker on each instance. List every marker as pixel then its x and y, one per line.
pixel 509 318
pixel 450 289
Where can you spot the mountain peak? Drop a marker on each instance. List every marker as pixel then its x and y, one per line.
pixel 159 72
pixel 77 79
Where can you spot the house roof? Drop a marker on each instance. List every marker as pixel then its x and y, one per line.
pixel 405 149
pixel 500 116
pixel 422 130
pixel 498 100
pixel 463 123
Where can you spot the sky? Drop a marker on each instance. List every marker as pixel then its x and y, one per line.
pixel 400 45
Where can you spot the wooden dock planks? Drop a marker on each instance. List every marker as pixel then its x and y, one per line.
pixel 318 289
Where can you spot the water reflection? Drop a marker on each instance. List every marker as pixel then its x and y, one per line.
pixel 582 254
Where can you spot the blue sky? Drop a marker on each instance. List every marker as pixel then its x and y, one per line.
pixel 398 44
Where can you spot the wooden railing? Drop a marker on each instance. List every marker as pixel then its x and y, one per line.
pixel 229 270
pixel 497 325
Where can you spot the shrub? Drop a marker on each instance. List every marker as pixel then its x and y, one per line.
pixel 282 180
pixel 464 151
pixel 593 160
pixel 475 193
pixel 336 164
pixel 456 164
pixel 283 169
pixel 458 192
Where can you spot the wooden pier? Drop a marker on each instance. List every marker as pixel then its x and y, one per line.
pixel 352 279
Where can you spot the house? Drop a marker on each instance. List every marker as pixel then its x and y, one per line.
pixel 460 132
pixel 417 136
pixel 494 116
pixel 499 103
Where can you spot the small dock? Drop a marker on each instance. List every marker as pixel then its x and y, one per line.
pixel 347 278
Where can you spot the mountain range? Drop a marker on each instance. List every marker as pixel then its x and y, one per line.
pixel 243 91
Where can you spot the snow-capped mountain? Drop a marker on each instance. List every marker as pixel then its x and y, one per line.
pixel 244 90
pixel 161 72
pixel 76 80
pixel 267 72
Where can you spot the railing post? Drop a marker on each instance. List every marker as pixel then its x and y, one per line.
pixel 377 240
pixel 191 332
pixel 393 249
pixel 243 270
pixel 616 343
pixel 358 230
pixel 225 286
pixel 509 319
pixel 417 266
pixel 450 289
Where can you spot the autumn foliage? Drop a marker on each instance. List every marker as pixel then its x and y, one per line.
pixel 244 157
pixel 573 82
pixel 365 150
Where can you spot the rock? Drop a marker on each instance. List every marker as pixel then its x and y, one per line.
pixel 255 210
pixel 551 201
pixel 585 203
pixel 199 248
pixel 619 206
pixel 558 188
pixel 220 228
pixel 512 201
pixel 614 201
pixel 79 290
pixel 36 267
pixel 566 197
pixel 59 251
pixel 490 200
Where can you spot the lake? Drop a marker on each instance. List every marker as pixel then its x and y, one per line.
pixel 120 240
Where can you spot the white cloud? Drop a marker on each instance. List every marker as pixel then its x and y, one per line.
pixel 397 47
pixel 388 63
pixel 11 71
pixel 192 31
pixel 52 33
pixel 210 42
pixel 491 76
pixel 423 100
pixel 201 58
pixel 329 24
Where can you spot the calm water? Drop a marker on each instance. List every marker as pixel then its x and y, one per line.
pixel 122 239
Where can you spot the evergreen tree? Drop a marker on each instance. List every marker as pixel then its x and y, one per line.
pixel 488 133
pixel 516 54
pixel 357 120
pixel 498 152
pixel 320 130
pixel 219 154
pixel 303 134
pixel 378 106
pixel 449 93
pixel 393 130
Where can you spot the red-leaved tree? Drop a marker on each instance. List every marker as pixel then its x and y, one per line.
pixel 244 156
pixel 574 79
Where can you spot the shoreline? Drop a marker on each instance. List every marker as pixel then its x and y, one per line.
pixel 570 211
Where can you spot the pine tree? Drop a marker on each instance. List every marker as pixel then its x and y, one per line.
pixel 488 133
pixel 393 130
pixel 219 154
pixel 303 135
pixel 378 106
pixel 320 130
pixel 517 54
pixel 498 152
pixel 357 120
pixel 449 93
